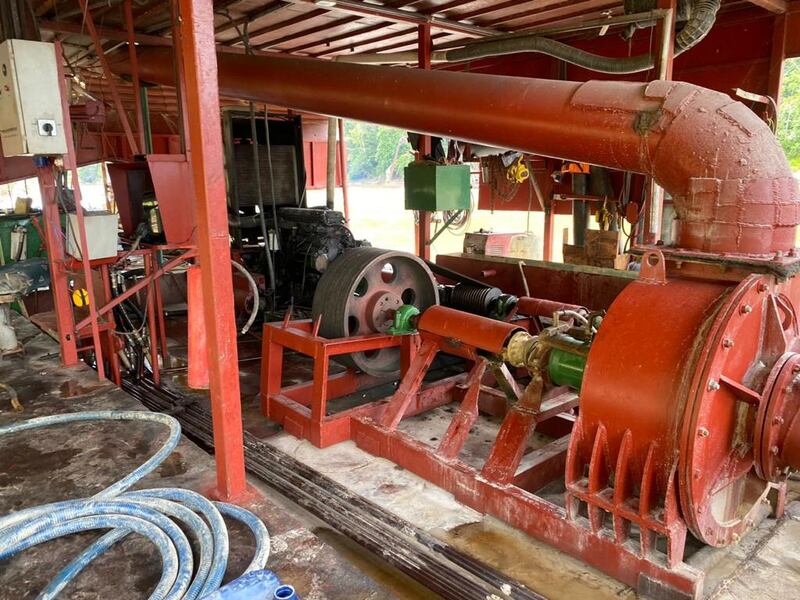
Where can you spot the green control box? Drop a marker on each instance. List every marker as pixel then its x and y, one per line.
pixel 435 187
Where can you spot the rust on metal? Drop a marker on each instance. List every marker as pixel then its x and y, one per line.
pixel 729 178
pixel 460 328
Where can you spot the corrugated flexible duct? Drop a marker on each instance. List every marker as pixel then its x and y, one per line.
pixel 733 189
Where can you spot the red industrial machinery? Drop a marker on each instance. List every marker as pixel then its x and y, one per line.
pixel 687 417
pixel 675 413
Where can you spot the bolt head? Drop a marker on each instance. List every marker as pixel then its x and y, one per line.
pixel 713 385
pixel 778 421
pixel 762 287
pixel 796 368
pixel 746 308
pixel 727 343
pixel 703 432
pixel 774 450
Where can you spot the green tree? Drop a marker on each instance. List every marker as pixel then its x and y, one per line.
pixel 374 153
pixel 789 113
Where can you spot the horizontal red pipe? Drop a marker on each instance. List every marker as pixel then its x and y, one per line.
pixel 539 307
pixel 728 177
pixel 467 329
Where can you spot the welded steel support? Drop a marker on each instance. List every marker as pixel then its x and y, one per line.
pixel 201 95
pixel 343 163
pixel 59 285
pixel 137 95
pixel 665 34
pixel 580 209
pixel 422 233
pixel 549 228
pixel 71 164
pixel 197 375
pixel 330 172
pixel 101 55
pixel 777 56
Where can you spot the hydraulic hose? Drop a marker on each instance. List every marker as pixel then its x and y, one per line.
pixel 703 16
pixel 148 512
pixel 254 289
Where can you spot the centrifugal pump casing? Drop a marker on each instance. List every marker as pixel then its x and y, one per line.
pixel 688 410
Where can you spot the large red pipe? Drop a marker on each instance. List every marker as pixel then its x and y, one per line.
pixel 730 181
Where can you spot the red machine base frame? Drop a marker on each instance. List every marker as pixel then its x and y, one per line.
pixel 302 408
pixel 505 486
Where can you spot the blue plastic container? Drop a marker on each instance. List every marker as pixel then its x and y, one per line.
pixel 256 585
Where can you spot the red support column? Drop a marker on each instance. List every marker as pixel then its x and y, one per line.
pixel 549 226
pixel 71 165
pixel 197 351
pixel 343 166
pixel 137 98
pixel 101 55
pixel 422 233
pixel 777 56
pixel 665 34
pixel 201 93
pixel 59 286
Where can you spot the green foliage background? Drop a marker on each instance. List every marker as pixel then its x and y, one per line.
pixel 376 154
pixel 789 113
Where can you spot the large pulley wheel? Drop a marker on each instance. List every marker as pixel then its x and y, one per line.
pixel 358 294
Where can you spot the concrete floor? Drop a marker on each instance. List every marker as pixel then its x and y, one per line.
pixel 80 460
pixel 320 563
pixel 772 550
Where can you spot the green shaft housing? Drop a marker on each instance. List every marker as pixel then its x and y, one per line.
pixel 566 368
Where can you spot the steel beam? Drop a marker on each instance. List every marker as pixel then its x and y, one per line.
pixel 71 164
pixel 59 285
pixel 773 6
pixel 399 15
pixel 777 56
pixel 201 95
pixel 137 98
pixel 101 55
pixel 118 35
pixel 250 17
pixel 665 34
pixel 343 163
pixel 422 235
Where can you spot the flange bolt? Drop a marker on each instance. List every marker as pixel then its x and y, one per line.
pixel 746 308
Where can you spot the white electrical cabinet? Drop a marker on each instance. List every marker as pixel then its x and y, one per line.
pixel 31 119
pixel 101 235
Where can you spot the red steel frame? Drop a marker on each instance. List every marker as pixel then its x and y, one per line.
pixel 101 55
pixel 422 232
pixel 505 486
pixel 302 409
pixel 68 333
pixel 200 95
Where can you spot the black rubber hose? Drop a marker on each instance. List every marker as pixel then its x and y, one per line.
pixel 703 16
